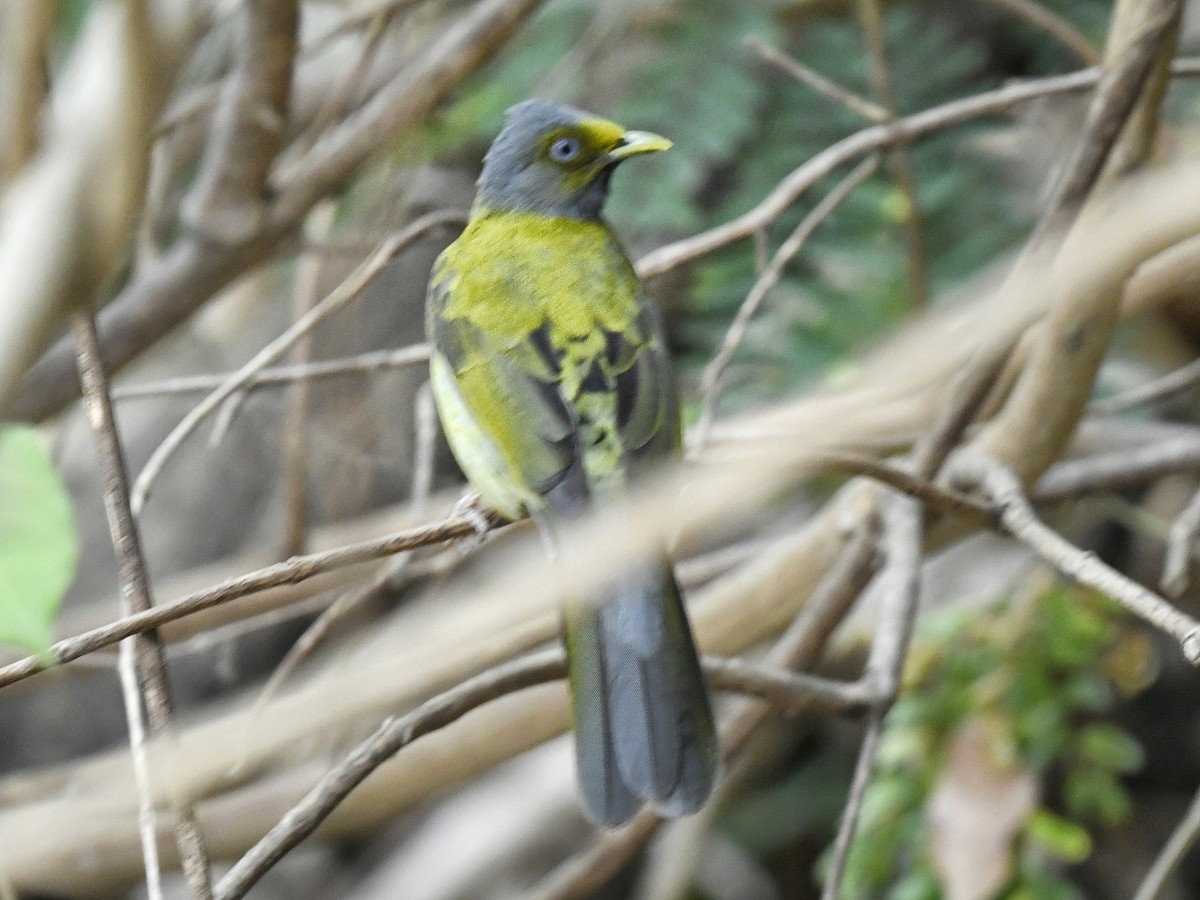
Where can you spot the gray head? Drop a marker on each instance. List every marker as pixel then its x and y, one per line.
pixel 556 160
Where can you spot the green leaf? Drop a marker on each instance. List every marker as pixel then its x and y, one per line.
pixel 1108 746
pixel 1058 836
pixel 37 540
pixel 1096 794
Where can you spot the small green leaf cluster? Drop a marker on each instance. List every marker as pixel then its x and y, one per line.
pixel 1038 676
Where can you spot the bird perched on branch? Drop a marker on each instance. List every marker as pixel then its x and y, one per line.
pixel 554 388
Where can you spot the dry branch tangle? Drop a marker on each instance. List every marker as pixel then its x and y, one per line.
pixel 414 658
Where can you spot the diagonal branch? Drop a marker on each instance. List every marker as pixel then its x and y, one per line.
pixel 1001 485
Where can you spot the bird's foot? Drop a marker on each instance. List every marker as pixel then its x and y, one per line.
pixel 471 508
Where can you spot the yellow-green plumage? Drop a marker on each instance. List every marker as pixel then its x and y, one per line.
pixel 554 388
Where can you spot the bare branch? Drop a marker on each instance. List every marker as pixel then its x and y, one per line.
pixel 1152 391
pixel 141 654
pixel 287 572
pixel 903 529
pixel 25 30
pixel 1000 484
pixel 714 372
pixel 869 140
pixel 1119 470
pixel 363 364
pixel 1125 75
pixel 860 106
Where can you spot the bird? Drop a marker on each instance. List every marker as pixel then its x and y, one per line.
pixel 552 380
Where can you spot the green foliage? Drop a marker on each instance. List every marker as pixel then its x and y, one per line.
pixel 37 539
pixel 1032 673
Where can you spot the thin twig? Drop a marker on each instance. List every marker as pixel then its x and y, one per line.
pixel 348 290
pixel 290 571
pixel 1053 24
pixel 140 655
pixel 1172 853
pixel 789 691
pixel 928 492
pixel 1162 388
pixel 870 18
pixel 1183 532
pixel 858 105
pixel 714 373
pixel 869 140
pixel 363 364
pixel 903 529
pixel 998 483
pixel 1119 470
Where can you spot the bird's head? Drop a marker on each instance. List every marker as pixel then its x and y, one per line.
pixel 556 160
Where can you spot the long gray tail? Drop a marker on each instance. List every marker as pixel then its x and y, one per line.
pixel 644 728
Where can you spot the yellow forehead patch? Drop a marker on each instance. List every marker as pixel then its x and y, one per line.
pixel 602 134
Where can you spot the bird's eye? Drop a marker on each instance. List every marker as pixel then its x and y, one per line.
pixel 564 149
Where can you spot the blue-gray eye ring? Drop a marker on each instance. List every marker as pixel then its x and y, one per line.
pixel 564 149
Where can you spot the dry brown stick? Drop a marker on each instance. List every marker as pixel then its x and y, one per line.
pixel 145 650
pixel 363 364
pixel 228 203
pixel 903 529
pixel 870 18
pixel 1056 26
pixel 789 691
pixel 860 106
pixel 189 273
pixel 997 482
pixel 288 572
pixel 1183 532
pixel 714 373
pixel 877 137
pixel 348 290
pixel 1152 391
